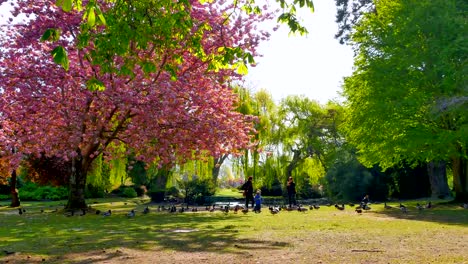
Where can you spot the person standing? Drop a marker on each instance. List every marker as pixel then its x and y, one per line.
pixel 291 187
pixel 248 191
pixel 258 202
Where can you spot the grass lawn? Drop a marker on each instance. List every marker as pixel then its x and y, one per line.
pixel 327 235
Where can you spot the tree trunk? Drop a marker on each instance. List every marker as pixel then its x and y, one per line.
pixel 460 178
pixel 216 168
pixel 292 165
pixel 158 188
pixel 76 197
pixel 15 201
pixel 438 178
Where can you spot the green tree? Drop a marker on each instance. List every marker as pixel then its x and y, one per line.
pixel 307 129
pixel 407 96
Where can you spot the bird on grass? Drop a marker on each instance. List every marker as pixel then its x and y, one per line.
pixel 98 212
pixel 403 208
pixel 358 210
pixel 245 211
pixel 108 213
pixel 366 207
pixel 341 208
pixel 316 206
pixel 146 210
pixel 194 209
pixel 428 205
pixel 302 209
pixel 465 206
pixel 387 206
pixel 226 209
pixel 274 210
pixel 131 214
pixel 236 209
pixel 419 207
pixel 20 212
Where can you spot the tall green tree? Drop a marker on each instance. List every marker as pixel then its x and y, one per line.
pixel 408 95
pixel 307 129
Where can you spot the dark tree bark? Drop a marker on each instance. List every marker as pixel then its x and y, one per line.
pixel 460 178
pixel 438 178
pixel 217 166
pixel 76 198
pixel 15 201
pixel 292 165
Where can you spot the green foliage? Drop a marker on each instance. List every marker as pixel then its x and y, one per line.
pixel 349 180
pixel 197 190
pixel 33 192
pixel 129 192
pixel 60 57
pixel 92 191
pixel 5 197
pixel 275 189
pixel 407 95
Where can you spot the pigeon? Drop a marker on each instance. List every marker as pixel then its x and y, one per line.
pixel 131 213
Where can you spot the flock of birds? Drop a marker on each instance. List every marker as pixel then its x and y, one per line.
pixel 273 209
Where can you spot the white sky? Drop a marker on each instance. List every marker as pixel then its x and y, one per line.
pixel 312 65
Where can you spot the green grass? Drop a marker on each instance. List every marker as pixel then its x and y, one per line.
pixel 438 235
pixel 234 193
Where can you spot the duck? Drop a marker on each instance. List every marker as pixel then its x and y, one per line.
pixel 146 210
pixel 316 206
pixel 245 211
pixel 403 208
pixel 302 209
pixel 108 213
pixel 131 213
pixel 358 210
pixel 428 205
pixel 236 209
pixel 20 212
pixel 387 206
pixel 419 207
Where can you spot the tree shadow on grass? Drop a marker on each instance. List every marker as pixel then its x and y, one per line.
pixel 54 235
pixel 443 213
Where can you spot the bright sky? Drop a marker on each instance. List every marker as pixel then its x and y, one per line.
pixel 312 65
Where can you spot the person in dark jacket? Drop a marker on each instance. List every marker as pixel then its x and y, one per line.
pixel 291 187
pixel 248 191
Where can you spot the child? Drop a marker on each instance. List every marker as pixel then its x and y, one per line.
pixel 258 202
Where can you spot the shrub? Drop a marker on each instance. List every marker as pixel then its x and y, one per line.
pixel 94 192
pixel 129 192
pixel 197 190
pixel 33 192
pixel 157 194
pixel 4 197
pixel 140 189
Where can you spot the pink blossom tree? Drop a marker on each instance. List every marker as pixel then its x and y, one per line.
pixel 144 81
